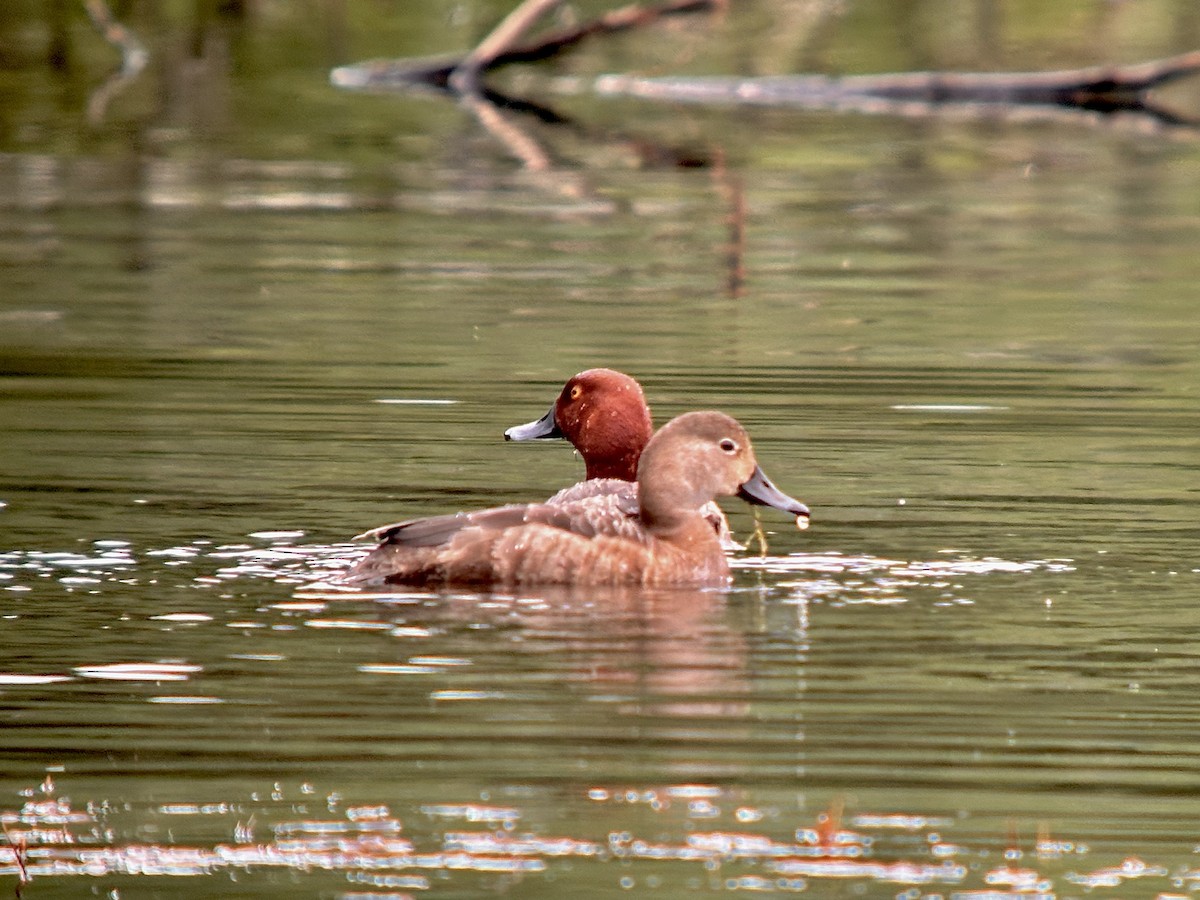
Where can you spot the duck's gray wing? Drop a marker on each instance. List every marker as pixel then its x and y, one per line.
pixel 434 531
pixel 612 514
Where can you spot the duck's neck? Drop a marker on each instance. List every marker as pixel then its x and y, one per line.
pixel 615 441
pixel 623 466
pixel 667 510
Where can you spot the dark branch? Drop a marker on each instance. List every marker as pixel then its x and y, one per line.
pixel 1099 89
pixel 436 72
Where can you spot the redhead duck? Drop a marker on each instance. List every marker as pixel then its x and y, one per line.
pixel 603 413
pixel 694 459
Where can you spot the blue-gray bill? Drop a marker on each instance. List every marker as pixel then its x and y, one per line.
pixel 544 429
pixel 757 489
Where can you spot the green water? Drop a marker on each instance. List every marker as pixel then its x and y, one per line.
pixel 241 326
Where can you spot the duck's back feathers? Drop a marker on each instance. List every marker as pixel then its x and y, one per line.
pixel 618 505
pixel 601 513
pixel 623 492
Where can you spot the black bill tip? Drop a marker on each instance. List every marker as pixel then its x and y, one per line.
pixel 757 489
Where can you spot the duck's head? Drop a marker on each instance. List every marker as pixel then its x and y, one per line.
pixel 698 457
pixel 603 413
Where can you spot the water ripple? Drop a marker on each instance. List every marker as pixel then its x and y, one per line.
pixel 313 570
pixel 47 836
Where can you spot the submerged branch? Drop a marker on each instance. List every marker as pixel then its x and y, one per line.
pixel 522 147
pixel 134 57
pixel 733 196
pixel 20 850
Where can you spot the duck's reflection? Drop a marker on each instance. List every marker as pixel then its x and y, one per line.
pixel 666 652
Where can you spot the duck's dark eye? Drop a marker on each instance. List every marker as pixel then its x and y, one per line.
pixel 728 445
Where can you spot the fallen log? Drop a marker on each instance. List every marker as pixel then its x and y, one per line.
pixel 1100 88
pixel 1097 89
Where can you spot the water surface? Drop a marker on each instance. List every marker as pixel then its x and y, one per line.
pixel 970 347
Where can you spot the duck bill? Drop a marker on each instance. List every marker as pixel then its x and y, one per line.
pixel 758 489
pixel 544 429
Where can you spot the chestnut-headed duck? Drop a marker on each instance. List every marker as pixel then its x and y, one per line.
pixel 603 413
pixel 692 460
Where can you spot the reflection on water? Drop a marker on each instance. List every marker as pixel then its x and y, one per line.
pixel 370 847
pixel 225 350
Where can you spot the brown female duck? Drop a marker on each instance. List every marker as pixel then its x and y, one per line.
pixel 692 460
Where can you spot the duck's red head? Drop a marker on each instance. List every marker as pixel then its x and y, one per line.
pixel 603 413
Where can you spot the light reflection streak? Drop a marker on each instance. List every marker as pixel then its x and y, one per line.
pixel 47 838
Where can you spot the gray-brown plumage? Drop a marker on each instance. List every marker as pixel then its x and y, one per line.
pixel 598 539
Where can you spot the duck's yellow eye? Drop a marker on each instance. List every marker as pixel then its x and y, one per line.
pixel 729 446
pixel 576 391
